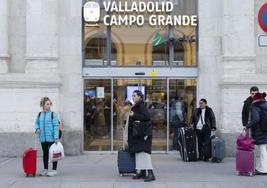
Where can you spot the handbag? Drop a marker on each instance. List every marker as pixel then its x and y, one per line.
pixel 245 142
pixel 142 128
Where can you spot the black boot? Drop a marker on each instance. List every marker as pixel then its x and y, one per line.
pixel 141 174
pixel 150 176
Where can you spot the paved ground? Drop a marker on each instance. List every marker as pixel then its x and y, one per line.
pixel 100 171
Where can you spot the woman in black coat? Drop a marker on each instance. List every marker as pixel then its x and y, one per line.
pixel 140 145
pixel 259 105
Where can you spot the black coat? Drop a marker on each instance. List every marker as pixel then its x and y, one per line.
pixel 210 121
pixel 246 109
pixel 256 111
pixel 139 144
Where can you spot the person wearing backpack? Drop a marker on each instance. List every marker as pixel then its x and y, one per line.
pixel 46 125
pixel 258 124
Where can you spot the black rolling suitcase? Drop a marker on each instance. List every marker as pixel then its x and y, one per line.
pixel 187 144
pixel 126 161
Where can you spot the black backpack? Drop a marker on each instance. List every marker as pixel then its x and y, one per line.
pixel 263 120
pixel 52 115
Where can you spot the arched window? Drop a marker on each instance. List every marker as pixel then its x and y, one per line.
pixel 96 52
pixel 179 52
pixel 160 55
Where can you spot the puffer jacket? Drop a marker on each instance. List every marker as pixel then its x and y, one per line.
pixel 48 129
pixel 259 136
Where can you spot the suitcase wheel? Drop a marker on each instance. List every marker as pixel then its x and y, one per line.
pixel 30 175
pixel 246 174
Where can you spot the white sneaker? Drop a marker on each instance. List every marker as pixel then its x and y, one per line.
pixel 44 172
pixel 52 173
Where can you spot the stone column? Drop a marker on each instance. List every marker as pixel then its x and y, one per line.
pixel 238 40
pixel 237 66
pixel 4 36
pixel 41 36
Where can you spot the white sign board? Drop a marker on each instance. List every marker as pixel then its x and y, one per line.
pixel 91 12
pixel 100 92
pixel 262 40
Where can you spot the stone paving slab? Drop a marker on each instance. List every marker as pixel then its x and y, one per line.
pixel 101 171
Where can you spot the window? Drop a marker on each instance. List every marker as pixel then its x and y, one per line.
pixel 133 46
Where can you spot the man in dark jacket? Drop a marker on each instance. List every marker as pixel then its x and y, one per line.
pixel 204 122
pixel 247 105
pixel 259 105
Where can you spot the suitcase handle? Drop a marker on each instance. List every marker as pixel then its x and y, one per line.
pixel 35 140
pixel 247 132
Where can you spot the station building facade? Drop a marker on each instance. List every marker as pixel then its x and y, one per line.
pixel 90 70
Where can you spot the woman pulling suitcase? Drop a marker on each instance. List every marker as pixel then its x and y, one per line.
pixel 46 125
pixel 140 144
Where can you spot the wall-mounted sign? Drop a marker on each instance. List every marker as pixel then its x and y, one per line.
pixel 134 13
pixel 100 92
pixel 262 17
pixel 153 73
pixel 262 40
pixel 91 12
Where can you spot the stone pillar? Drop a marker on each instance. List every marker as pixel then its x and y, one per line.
pixel 238 39
pixel 238 67
pixel 4 36
pixel 41 36
pixel 71 92
pixel 209 51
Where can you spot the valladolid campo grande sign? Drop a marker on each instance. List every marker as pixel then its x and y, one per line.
pixel 127 14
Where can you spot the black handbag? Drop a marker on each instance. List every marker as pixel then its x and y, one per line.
pixel 142 128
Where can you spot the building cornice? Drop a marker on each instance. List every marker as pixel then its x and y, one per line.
pixel 238 58
pixel 29 81
pixel 45 58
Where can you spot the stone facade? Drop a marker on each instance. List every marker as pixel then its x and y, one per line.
pixel 41 54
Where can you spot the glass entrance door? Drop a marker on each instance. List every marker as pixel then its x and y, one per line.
pixel 97 115
pixel 182 102
pixel 170 103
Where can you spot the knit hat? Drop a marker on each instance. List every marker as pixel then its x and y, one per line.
pixel 259 96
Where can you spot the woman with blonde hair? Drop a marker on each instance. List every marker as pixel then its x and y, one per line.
pixel 46 125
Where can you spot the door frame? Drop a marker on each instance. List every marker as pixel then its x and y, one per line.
pixel 111 151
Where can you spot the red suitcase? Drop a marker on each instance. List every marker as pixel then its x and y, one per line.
pixel 29 161
pixel 245 162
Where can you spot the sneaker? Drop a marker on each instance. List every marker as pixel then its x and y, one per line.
pixel 52 173
pixel 260 173
pixel 44 172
